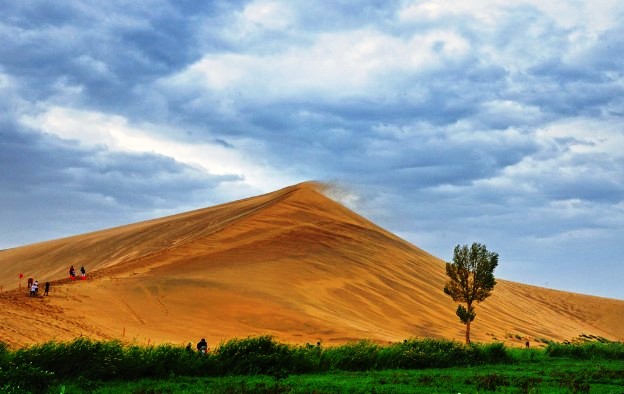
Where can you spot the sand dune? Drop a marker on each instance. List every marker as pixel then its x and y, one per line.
pixel 292 263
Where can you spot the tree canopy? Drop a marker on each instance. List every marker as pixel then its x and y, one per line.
pixel 471 279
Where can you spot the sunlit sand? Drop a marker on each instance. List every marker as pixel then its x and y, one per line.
pixel 292 263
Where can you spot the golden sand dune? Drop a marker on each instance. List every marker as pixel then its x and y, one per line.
pixel 292 263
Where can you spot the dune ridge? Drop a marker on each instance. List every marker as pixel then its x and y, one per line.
pixel 292 263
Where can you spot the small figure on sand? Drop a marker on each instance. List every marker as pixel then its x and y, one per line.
pixel 30 283
pixel 202 346
pixel 34 287
pixel 47 289
pixel 72 273
pixel 83 272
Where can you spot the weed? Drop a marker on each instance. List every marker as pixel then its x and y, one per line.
pixel 356 356
pixel 490 382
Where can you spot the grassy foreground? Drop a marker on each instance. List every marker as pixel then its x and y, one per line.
pixel 559 376
pixel 260 364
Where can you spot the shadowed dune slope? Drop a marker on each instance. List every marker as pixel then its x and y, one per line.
pixel 292 263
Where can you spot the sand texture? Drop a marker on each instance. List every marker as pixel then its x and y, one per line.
pixel 293 263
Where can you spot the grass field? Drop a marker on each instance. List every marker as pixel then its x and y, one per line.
pixel 546 376
pixel 260 364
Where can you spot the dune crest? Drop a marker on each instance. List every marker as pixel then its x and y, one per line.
pixel 292 263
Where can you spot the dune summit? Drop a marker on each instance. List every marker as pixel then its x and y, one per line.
pixel 293 263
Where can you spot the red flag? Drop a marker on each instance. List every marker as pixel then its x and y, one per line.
pixel 21 276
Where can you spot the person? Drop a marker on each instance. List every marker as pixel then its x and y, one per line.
pixel 47 289
pixel 202 346
pixel 72 273
pixel 30 283
pixel 34 288
pixel 83 272
pixel 188 348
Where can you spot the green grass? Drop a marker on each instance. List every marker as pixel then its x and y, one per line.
pixel 546 376
pixel 261 364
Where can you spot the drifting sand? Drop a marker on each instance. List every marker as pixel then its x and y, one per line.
pixel 292 263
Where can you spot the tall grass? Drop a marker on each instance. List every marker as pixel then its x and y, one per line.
pixel 587 350
pixel 263 355
pixel 101 361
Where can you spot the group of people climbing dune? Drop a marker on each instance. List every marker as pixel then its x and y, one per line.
pixel 33 285
pixel 33 288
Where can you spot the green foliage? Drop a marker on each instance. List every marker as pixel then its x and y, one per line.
pixel 544 376
pixel 495 353
pixel 83 357
pixel 588 350
pixel 355 356
pixel 491 382
pixel 19 378
pixel 4 352
pixel 263 355
pixel 465 315
pixel 84 365
pixel 425 353
pixel 471 279
pixel 471 274
pixel 162 361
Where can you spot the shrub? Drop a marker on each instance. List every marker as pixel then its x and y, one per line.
pixel 426 353
pixel 306 359
pixel 355 356
pixel 253 356
pixel 24 378
pixel 493 353
pixel 589 350
pixel 491 382
pixel 98 361
pixel 81 357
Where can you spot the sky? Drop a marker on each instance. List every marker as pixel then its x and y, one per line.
pixel 446 122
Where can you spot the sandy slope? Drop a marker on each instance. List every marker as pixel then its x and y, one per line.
pixel 292 263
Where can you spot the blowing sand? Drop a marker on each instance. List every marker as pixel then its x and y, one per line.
pixel 292 263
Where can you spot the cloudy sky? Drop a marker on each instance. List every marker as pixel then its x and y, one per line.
pixel 446 122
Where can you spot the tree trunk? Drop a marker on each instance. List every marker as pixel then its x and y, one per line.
pixel 468 333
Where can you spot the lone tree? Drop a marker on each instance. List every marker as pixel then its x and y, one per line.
pixel 471 278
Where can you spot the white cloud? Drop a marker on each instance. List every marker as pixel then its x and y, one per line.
pixel 352 62
pixel 511 112
pixel 597 136
pixel 5 81
pixel 591 16
pixel 117 134
pixel 274 15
